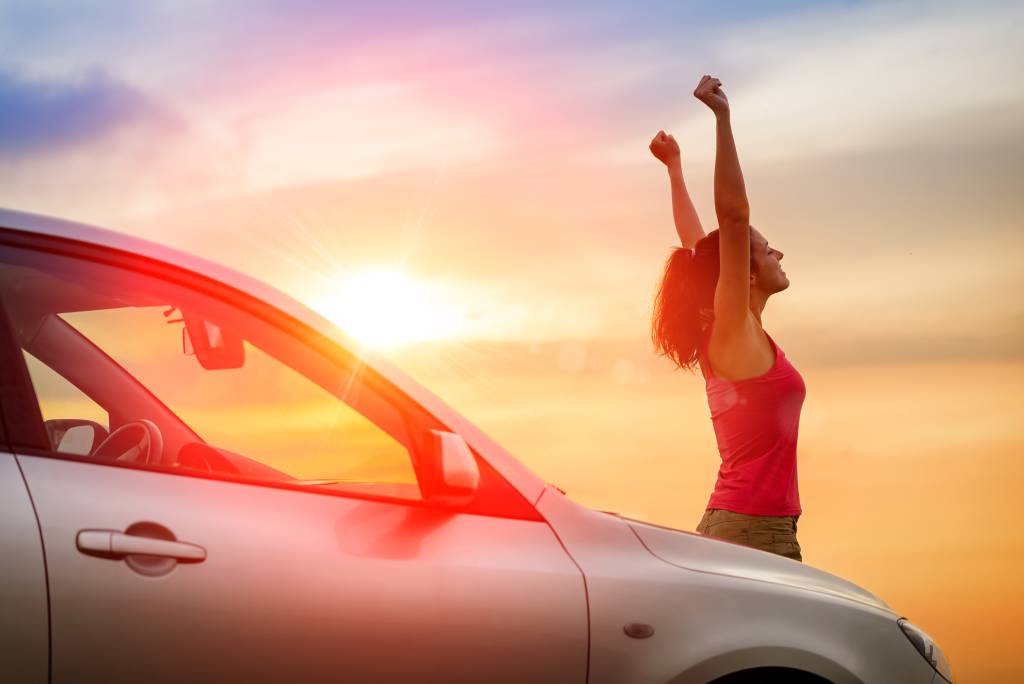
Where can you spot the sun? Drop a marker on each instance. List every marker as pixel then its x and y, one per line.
pixel 386 308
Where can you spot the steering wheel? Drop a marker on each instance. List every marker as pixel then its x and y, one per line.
pixel 136 442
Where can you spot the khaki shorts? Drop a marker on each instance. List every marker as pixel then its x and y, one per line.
pixel 772 533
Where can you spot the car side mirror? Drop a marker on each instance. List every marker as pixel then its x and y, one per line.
pixel 454 476
pixel 74 436
pixel 214 347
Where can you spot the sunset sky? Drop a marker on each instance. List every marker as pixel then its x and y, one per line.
pixel 467 187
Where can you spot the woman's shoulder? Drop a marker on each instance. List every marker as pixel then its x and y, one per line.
pixel 749 353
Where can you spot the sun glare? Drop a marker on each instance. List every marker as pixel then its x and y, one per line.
pixel 385 308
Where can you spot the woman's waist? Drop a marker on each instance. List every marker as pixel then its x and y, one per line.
pixel 753 445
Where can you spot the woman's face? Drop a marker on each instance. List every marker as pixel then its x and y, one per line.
pixel 768 275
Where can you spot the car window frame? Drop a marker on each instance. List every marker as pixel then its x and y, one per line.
pixel 19 406
pixel 21 420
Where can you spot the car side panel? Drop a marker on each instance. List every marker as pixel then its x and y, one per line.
pixel 24 628
pixel 302 586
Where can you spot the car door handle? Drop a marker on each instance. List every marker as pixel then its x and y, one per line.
pixel 114 544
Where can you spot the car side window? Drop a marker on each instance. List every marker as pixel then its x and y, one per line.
pixel 58 399
pixel 171 377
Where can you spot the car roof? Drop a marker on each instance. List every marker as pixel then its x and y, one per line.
pixel 516 473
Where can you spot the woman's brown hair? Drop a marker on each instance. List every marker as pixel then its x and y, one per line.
pixel 687 287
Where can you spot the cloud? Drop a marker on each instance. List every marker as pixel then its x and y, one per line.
pixel 359 130
pixel 874 76
pixel 829 80
pixel 40 116
pixel 93 147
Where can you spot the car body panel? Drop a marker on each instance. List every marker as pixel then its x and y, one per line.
pixel 24 620
pixel 301 586
pixel 707 624
pixel 703 554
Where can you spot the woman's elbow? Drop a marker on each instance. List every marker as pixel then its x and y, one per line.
pixel 735 217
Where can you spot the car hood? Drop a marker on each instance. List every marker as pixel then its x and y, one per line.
pixel 703 554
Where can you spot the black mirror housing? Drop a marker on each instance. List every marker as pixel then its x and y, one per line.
pixel 215 348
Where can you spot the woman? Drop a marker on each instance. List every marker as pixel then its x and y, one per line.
pixel 708 313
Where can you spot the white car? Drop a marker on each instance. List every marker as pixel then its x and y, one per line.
pixel 203 480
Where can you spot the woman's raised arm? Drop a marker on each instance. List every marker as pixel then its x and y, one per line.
pixel 732 295
pixel 666 149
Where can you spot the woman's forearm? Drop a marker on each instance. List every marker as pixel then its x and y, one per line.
pixel 683 212
pixel 731 203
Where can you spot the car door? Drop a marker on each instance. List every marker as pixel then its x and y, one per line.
pixel 287 542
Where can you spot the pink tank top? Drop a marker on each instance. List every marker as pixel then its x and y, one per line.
pixel 756 422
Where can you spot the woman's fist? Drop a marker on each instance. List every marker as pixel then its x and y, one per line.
pixel 709 91
pixel 665 148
